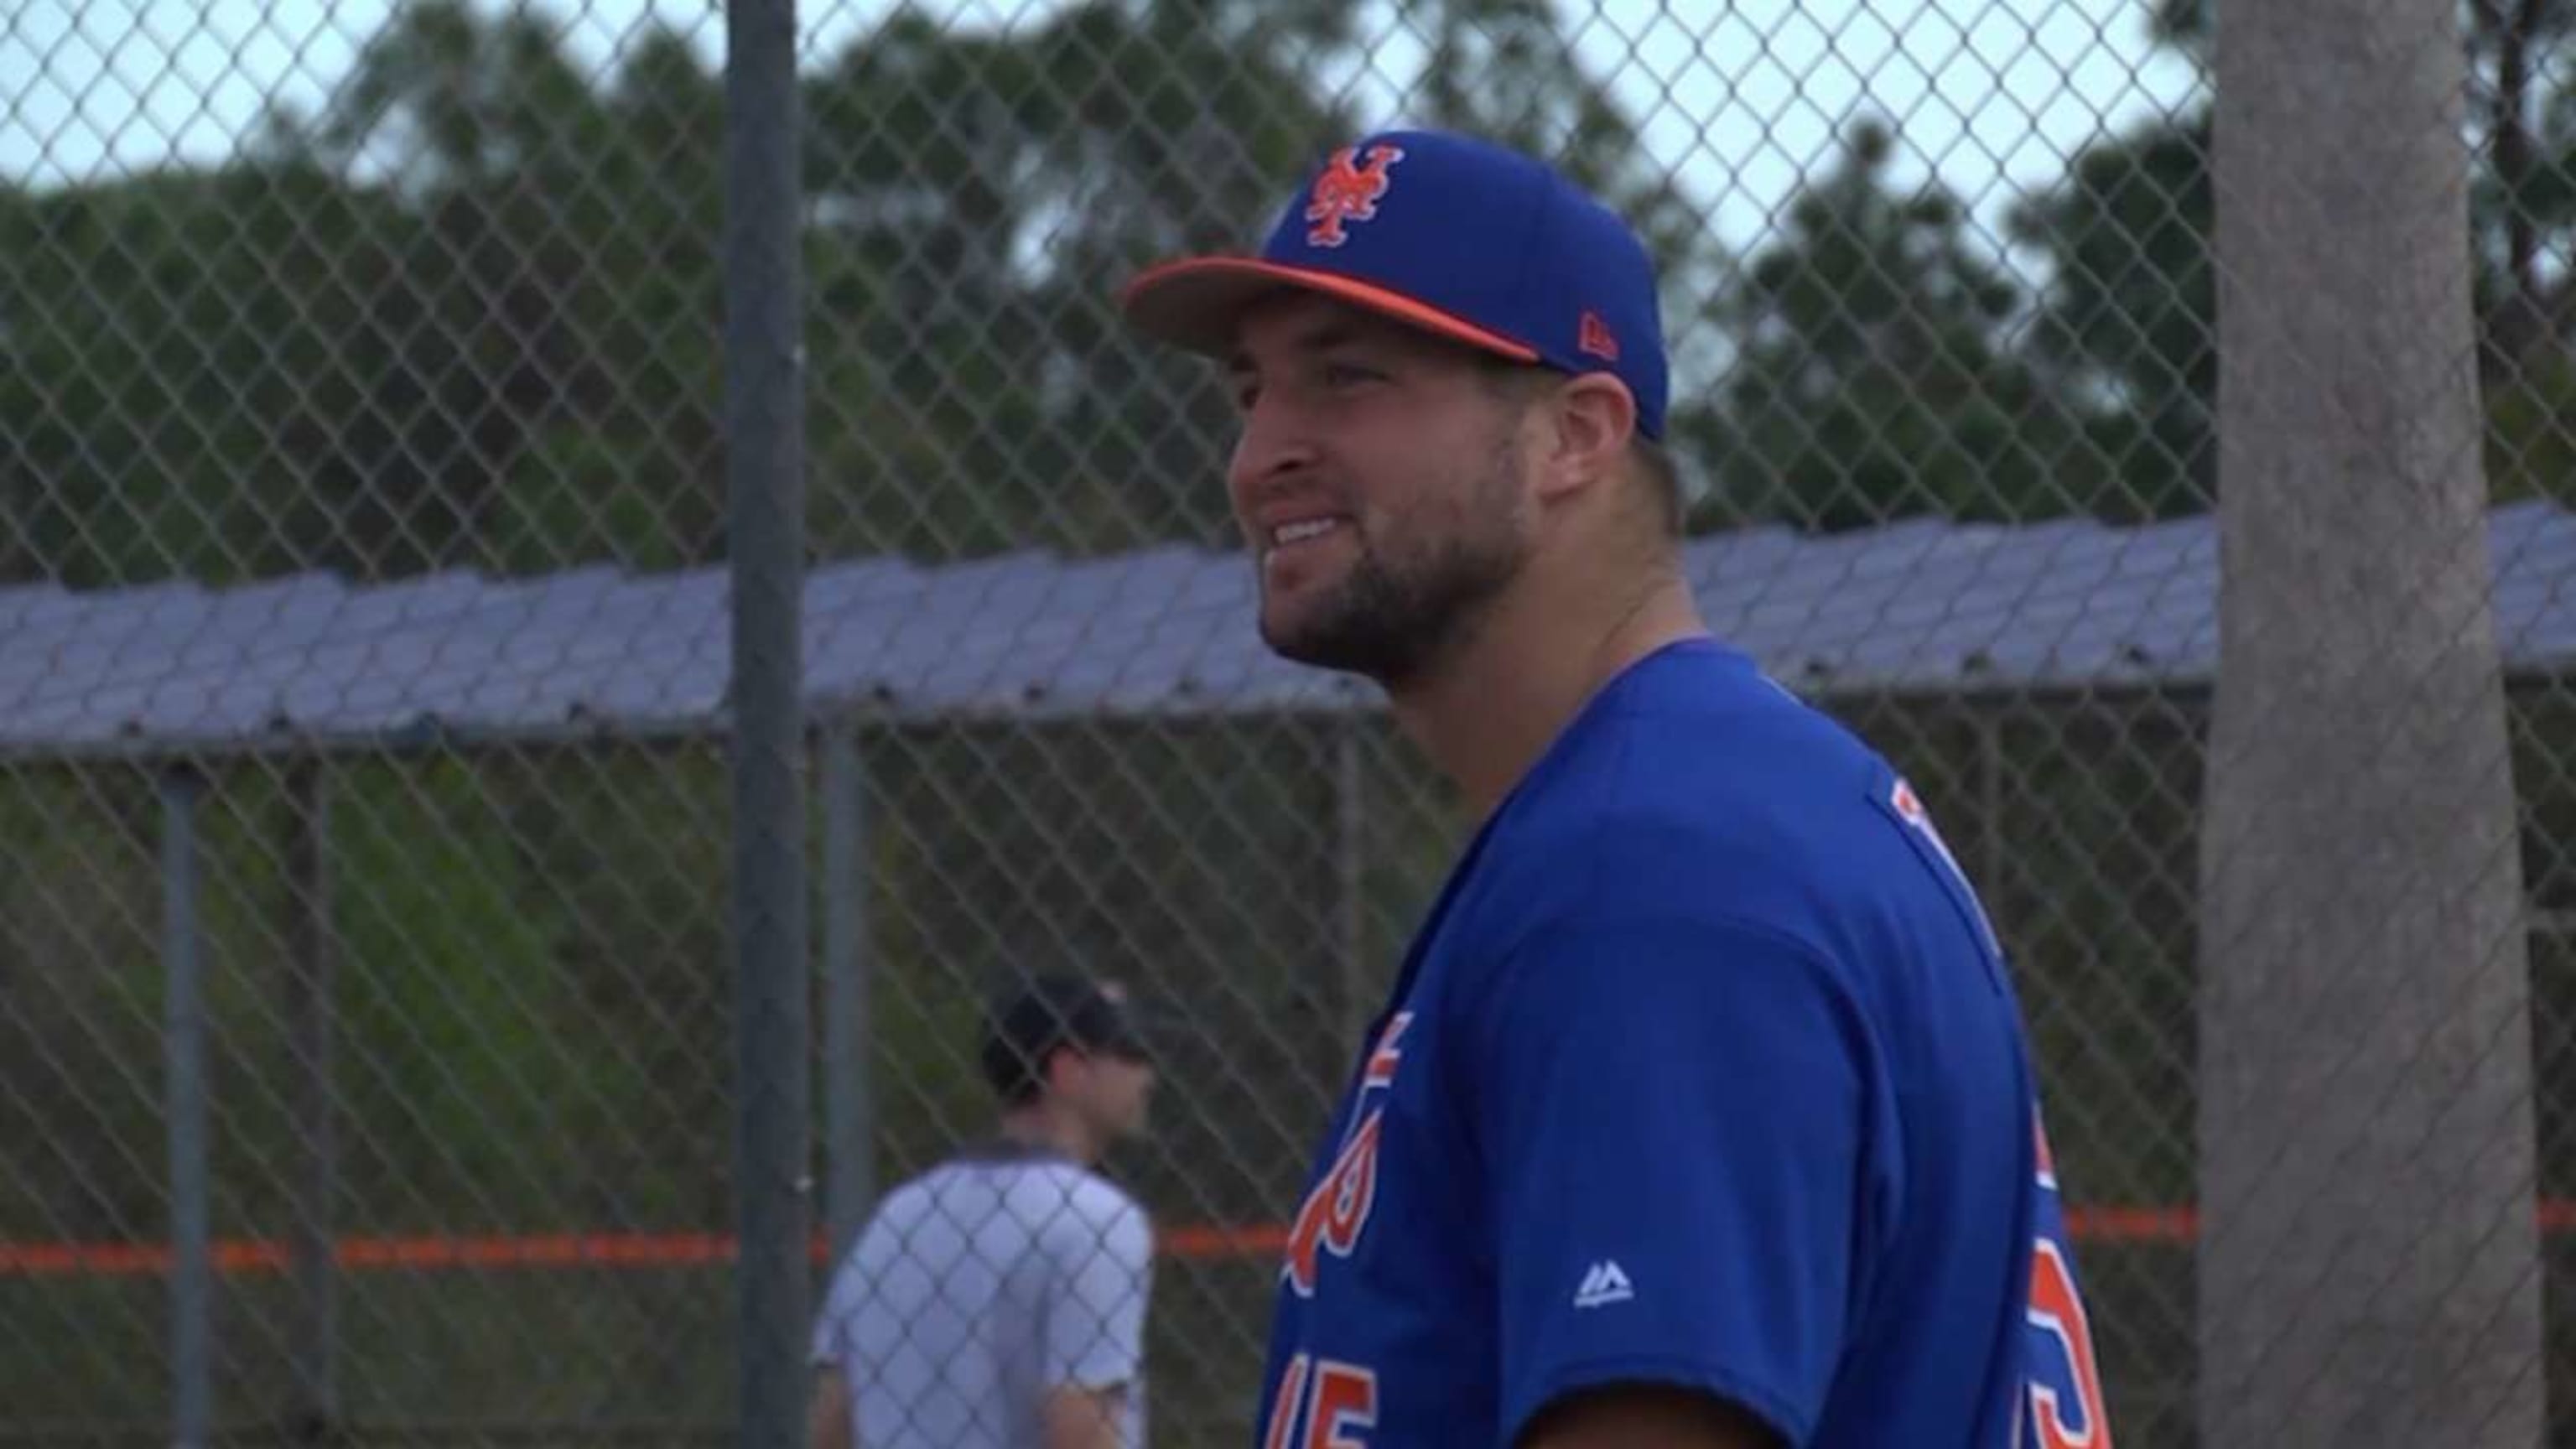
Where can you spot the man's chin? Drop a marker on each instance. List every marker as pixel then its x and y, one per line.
pixel 1317 648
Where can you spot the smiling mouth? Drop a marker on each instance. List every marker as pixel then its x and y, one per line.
pixel 1304 530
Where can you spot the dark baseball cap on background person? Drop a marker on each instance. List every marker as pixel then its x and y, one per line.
pixel 1045 1012
pixel 1458 236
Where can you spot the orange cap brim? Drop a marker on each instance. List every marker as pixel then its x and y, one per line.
pixel 1194 303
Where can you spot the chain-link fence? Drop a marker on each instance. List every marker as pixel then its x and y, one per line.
pixel 366 1013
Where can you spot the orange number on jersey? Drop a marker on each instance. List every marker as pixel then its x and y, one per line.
pixel 1283 1409
pixel 1332 1399
pixel 2057 1309
pixel 1345 1398
pixel 2057 1312
pixel 1336 1210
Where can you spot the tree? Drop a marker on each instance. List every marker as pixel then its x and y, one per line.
pixel 2126 326
pixel 2128 311
pixel 509 289
pixel 998 187
pixel 1870 380
pixel 468 315
pixel 176 379
pixel 986 193
pixel 2370 1272
pixel 2513 45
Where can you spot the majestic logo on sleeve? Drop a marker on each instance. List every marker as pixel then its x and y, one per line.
pixel 1348 191
pixel 1337 1210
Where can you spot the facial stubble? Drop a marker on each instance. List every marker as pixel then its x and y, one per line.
pixel 1414 598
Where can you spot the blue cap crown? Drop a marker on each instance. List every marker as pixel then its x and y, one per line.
pixel 1457 235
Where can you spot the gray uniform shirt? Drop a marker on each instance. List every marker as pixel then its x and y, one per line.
pixel 980 1286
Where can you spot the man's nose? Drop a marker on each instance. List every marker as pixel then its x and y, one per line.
pixel 1276 442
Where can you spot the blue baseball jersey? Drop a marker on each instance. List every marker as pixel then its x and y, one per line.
pixel 1704 1069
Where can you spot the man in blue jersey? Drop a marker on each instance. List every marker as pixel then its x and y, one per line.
pixel 1701 1112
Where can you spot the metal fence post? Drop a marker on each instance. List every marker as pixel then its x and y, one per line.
pixel 764 435
pixel 848 1115
pixel 192 1285
pixel 310 992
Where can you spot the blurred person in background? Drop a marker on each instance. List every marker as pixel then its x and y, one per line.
pixel 998 1300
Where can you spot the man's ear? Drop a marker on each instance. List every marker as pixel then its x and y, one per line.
pixel 1590 420
pixel 1052 1067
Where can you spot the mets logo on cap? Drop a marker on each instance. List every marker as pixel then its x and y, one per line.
pixel 1348 190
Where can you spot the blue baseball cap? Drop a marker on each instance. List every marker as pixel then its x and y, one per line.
pixel 1455 235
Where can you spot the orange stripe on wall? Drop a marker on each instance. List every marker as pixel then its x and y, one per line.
pixel 1202 1242
pixel 2112 1224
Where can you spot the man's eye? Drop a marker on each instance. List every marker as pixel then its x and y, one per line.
pixel 1245 395
pixel 1344 374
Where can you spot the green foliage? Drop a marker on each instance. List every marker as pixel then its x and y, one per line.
pixel 472 314
pixel 2129 318
pixel 1871 380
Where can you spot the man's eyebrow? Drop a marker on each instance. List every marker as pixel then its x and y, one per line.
pixel 1321 336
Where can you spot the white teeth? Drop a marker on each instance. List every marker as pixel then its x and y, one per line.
pixel 1288 533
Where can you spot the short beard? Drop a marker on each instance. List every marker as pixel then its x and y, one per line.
pixel 1395 617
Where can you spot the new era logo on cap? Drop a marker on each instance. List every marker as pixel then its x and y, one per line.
pixel 1597 339
pixel 1458 236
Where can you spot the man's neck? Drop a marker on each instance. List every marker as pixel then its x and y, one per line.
pixel 1486 716
pixel 1041 1130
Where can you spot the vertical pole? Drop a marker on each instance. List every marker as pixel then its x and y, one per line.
pixel 310 996
pixel 765 480
pixel 1349 856
pixel 192 1278
pixel 847 1031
